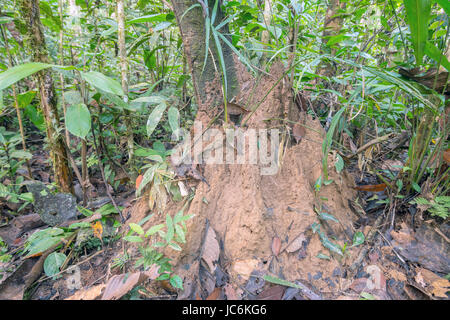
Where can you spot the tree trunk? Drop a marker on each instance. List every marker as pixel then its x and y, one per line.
pixel 124 75
pixel 36 42
pixel 331 27
pixel 206 82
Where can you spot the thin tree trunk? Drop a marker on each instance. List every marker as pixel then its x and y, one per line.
pixel 192 28
pixel 61 62
pixel 16 103
pixel 331 27
pixel 124 75
pixel 36 42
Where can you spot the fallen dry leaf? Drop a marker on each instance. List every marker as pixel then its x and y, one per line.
pixel 446 156
pixel 296 244
pixel 245 267
pixel 91 293
pixel 215 294
pixel 276 246
pixel 138 181
pixel 273 293
pixel 372 187
pixel 432 283
pixel 230 292
pixel 211 250
pixel 121 284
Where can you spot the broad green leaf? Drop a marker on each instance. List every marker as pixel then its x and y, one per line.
pixel 331 246
pixel 78 120
pixel 154 118
pixel 327 216
pixel 358 238
pixel 40 245
pixel 154 229
pixel 416 187
pixel 159 17
pixel 180 233
pixel 20 72
pixel 136 228
pixel 339 164
pixel 418 12
pixel 175 246
pixel 20 154
pixel 133 239
pixel 53 262
pixel 24 99
pixel 102 82
pixel 73 97
pixel 174 118
pixel 163 277
pixel 176 282
pixel 162 26
pixel 434 53
pixel 323 256
pixel 148 176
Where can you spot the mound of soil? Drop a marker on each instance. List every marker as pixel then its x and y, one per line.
pixel 261 224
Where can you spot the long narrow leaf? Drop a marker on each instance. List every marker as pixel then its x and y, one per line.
pixel 418 12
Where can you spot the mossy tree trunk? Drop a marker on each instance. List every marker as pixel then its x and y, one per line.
pixel 36 44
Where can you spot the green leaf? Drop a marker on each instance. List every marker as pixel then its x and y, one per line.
pixel 20 72
pixel 174 119
pixel 282 282
pixel 164 276
pixel 358 238
pixel 136 228
pixel 20 154
pixel 329 140
pixel 175 246
pixel 154 118
pixel 323 256
pixel 53 262
pixel 327 216
pixel 159 17
pixel 176 282
pixel 339 165
pixel 148 176
pixel 434 53
pixel 133 239
pixel 102 82
pixel 367 296
pixel 180 233
pixel 416 187
pixel 78 120
pixel 154 229
pixel 445 4
pixel 418 12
